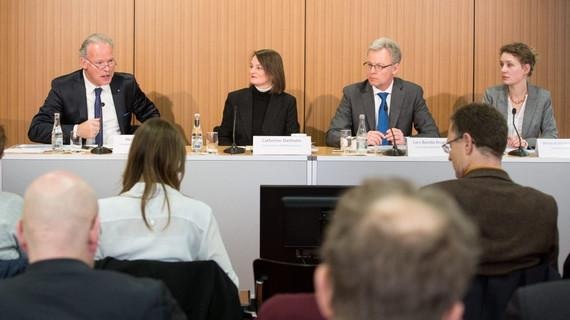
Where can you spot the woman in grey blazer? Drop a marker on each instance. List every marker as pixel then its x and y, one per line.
pixel 534 115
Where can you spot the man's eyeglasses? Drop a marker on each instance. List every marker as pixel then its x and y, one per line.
pixel 103 64
pixel 376 67
pixel 447 146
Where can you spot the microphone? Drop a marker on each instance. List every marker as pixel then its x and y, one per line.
pixel 395 151
pixel 234 149
pixel 102 104
pixel 520 151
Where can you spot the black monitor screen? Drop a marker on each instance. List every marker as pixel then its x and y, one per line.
pixel 293 220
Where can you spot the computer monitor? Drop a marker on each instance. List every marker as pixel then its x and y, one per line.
pixel 293 220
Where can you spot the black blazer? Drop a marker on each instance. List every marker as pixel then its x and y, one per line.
pixel 67 96
pixel 542 301
pixel 280 117
pixel 68 289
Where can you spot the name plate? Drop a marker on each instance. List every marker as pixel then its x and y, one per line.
pixel 553 148
pixel 282 145
pixel 122 143
pixel 425 147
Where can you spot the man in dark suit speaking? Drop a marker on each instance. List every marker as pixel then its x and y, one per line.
pixel 85 96
pixel 59 230
pixel 386 101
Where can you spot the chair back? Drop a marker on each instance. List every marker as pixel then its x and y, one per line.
pixel 488 296
pixel 201 288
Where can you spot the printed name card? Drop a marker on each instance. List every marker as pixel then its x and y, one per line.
pixel 553 148
pixel 425 147
pixel 282 145
pixel 122 143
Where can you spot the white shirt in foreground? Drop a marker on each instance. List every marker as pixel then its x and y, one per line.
pixel 192 234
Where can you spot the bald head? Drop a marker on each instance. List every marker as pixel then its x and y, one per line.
pixel 60 211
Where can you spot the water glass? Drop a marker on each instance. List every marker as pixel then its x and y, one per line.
pixel 344 139
pixel 212 142
pixel 74 142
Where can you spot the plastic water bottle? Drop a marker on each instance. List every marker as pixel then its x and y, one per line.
pixel 197 137
pixel 361 136
pixel 56 134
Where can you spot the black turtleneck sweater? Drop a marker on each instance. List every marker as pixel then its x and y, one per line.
pixel 260 103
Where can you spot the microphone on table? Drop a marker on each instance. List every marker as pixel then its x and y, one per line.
pixel 395 151
pixel 520 151
pixel 234 149
pixel 99 149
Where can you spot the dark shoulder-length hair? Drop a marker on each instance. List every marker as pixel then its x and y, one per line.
pixel 157 157
pixel 273 66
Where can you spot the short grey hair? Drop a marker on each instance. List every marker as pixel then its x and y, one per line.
pixel 94 38
pixel 388 44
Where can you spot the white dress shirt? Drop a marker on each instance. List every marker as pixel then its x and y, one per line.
pixel 192 233
pixel 519 117
pixel 377 101
pixel 110 123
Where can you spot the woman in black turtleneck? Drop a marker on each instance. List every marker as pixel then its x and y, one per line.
pixel 263 109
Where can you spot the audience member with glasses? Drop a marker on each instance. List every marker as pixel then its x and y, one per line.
pixel 391 105
pixel 93 97
pixel 517 224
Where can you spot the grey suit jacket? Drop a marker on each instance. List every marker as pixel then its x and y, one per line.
pixel 407 107
pixel 538 118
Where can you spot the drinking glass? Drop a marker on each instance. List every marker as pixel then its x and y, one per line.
pixel 212 142
pixel 344 139
pixel 74 142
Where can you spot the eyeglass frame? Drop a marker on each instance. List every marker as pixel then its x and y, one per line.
pixel 103 64
pixel 447 146
pixel 376 67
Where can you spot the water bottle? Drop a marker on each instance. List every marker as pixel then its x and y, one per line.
pixel 197 138
pixel 56 134
pixel 361 136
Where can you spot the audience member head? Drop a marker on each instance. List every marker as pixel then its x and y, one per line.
pixel 59 219
pixel 477 137
pixel 383 62
pixel 518 56
pixel 97 59
pixel 393 252
pixel 2 141
pixel 266 70
pixel 157 157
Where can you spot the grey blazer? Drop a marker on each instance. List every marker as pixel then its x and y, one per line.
pixel 538 118
pixel 407 107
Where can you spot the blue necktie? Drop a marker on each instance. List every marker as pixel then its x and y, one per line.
pixel 383 120
pixel 99 114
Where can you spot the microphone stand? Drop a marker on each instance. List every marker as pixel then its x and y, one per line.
pixel 395 151
pixel 520 151
pixel 234 149
pixel 99 149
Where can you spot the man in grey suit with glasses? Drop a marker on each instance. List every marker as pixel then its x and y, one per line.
pixel 391 105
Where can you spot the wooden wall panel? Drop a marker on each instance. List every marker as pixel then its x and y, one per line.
pixel 40 41
pixel 543 25
pixel 436 41
pixel 190 54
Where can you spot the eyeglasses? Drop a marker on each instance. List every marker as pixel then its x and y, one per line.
pixel 447 146
pixel 376 67
pixel 102 65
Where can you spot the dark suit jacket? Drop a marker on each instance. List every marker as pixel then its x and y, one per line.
pixel 538 121
pixel 280 117
pixel 68 289
pixel 543 301
pixel 407 107
pixel 517 224
pixel 67 96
